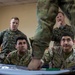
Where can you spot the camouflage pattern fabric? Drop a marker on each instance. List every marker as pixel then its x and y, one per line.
pixel 14 59
pixel 57 34
pixel 8 39
pixel 47 10
pixel 42 37
pixel 57 59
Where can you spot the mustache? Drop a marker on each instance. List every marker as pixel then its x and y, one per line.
pixel 66 45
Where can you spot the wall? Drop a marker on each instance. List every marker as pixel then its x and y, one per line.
pixel 26 14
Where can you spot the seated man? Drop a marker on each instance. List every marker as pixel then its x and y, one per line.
pixel 63 57
pixel 21 56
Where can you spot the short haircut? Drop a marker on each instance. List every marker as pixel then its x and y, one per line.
pixel 16 18
pixel 61 12
pixel 69 33
pixel 23 38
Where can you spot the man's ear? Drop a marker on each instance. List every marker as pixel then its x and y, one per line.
pixel 73 41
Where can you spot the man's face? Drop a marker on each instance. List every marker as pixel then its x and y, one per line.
pixel 21 46
pixel 60 18
pixel 66 43
pixel 14 24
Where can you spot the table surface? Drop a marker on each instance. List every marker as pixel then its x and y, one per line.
pixel 15 70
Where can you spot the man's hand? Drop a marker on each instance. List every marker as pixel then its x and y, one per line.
pixel 58 23
pixel 35 64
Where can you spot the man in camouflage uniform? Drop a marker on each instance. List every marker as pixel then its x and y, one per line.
pixel 21 56
pixel 7 37
pixel 47 10
pixel 59 29
pixel 63 57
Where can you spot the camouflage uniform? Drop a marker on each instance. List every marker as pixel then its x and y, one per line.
pixel 57 34
pixel 47 10
pixel 58 59
pixel 14 59
pixel 8 39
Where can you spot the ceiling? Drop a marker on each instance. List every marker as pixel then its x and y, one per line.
pixel 14 2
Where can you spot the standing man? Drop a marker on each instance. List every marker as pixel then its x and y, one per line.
pixel 8 37
pixel 47 10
